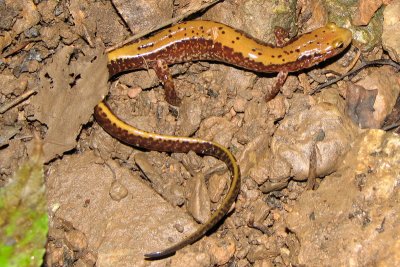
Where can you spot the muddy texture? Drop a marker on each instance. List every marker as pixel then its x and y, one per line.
pixel 334 225
pixel 92 209
pixel 109 203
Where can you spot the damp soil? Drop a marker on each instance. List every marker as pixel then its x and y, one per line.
pixel 319 177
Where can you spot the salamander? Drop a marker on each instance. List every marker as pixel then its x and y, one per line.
pixel 212 41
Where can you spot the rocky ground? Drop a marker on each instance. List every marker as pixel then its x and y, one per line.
pixel 110 203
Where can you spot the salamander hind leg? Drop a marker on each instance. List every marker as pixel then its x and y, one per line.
pixel 163 73
pixel 277 86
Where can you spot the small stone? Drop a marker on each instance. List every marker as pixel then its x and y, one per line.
pixel 54 255
pixel 222 250
pixel 90 258
pixel 28 17
pixel 198 203
pixel 179 227
pixel 77 240
pixel 258 252
pixel 216 186
pixel 32 66
pixel 278 107
pixel 240 104
pixel 55 233
pixel 5 40
pixel 365 11
pixel 218 129
pixel 189 118
pixel 391 35
pixel 118 191
pixel 134 92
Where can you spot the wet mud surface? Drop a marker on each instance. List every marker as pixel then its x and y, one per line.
pixel 319 175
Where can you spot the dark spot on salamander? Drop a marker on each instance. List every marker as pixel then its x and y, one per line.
pixel 279 56
pixel 259 53
pixel 185 34
pixel 223 32
pixel 192 31
pixel 291 51
pixel 201 27
pixel 318 43
pixel 169 35
pixel 233 42
pixel 316 35
pixel 254 50
pixel 220 28
pixel 237 38
pixel 297 50
pixel 283 60
pixel 273 56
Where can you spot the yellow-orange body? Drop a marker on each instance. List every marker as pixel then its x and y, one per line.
pixel 208 40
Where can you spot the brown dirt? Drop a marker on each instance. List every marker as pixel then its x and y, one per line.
pixel 110 203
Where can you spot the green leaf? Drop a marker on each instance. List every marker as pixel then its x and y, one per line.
pixel 23 215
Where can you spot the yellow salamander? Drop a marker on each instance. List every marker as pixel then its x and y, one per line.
pixel 212 41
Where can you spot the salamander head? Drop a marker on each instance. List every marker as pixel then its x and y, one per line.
pixel 322 43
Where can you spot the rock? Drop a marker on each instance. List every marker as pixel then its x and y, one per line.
pixel 167 184
pixel 147 13
pixel 216 185
pixel 5 40
pixel 365 11
pixel 28 17
pixel 77 240
pixel 386 82
pixel 198 203
pixel 118 191
pixel 240 104
pixel 221 250
pixel 294 138
pixel 278 107
pixel 391 34
pixel 217 129
pixel 352 219
pixel 189 118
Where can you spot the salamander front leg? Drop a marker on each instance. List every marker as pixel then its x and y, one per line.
pixel 281 35
pixel 277 86
pixel 163 73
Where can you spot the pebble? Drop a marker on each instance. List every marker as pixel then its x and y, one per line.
pixel 118 191
pixel 77 240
